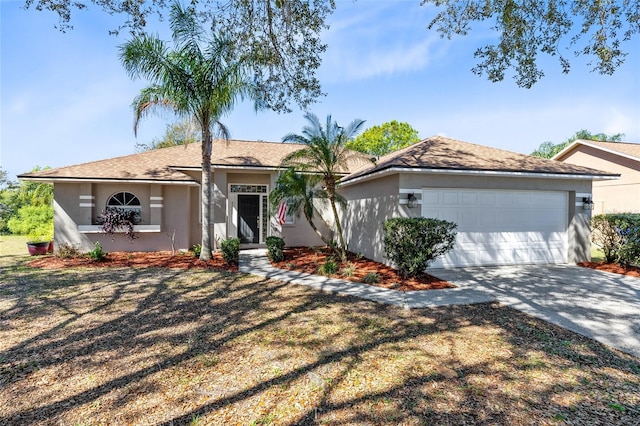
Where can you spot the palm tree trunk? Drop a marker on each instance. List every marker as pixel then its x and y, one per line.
pixel 317 231
pixel 205 252
pixel 342 249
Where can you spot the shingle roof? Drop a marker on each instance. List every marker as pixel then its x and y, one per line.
pixel 626 149
pixel 441 153
pixel 432 153
pixel 164 164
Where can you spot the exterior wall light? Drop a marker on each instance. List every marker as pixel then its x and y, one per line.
pixel 587 203
pixel 412 201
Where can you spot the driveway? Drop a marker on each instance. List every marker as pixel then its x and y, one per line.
pixel 599 305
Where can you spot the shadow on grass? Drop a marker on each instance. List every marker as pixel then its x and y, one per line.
pixel 363 362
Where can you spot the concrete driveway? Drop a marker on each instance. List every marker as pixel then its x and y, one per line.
pixel 599 305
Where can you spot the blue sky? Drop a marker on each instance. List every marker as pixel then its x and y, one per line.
pixel 65 99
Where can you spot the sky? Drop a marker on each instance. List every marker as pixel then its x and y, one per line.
pixel 65 98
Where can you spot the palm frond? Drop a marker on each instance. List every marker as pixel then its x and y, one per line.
pixel 186 29
pixel 152 99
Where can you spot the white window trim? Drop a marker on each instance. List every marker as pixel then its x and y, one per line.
pixel 97 229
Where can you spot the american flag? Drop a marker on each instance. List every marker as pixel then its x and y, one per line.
pixel 282 212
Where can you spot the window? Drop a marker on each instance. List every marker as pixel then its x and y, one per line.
pixel 249 189
pixel 126 201
pixel 289 218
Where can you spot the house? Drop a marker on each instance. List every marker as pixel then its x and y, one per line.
pixel 163 187
pixel 510 208
pixel 609 196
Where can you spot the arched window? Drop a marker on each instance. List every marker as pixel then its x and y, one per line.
pixel 126 201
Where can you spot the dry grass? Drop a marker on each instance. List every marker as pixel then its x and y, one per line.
pixel 13 245
pixel 164 346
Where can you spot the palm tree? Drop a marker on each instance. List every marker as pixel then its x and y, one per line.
pixel 299 190
pixel 201 79
pixel 325 154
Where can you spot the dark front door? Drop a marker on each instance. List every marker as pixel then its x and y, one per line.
pixel 249 218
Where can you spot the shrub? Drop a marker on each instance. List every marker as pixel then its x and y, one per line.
pixel 114 219
pixel 275 249
pixel 618 235
pixel 605 235
pixel 97 253
pixel 230 250
pixel 67 251
pixel 413 243
pixel 196 249
pixel 329 267
pixel 348 270
pixel 371 278
pixel 35 221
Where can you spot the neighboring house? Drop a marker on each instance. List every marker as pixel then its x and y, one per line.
pixel 510 208
pixel 610 196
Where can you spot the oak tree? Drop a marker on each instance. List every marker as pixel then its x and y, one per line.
pixel 597 30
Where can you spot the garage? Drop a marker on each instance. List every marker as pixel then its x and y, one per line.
pixel 510 208
pixel 501 227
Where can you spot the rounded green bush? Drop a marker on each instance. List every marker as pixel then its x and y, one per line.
pixel 413 243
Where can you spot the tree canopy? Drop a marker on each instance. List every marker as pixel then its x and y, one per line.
pixel 549 149
pixel 385 138
pixel 181 133
pixel 284 35
pixel 597 30
pixel 281 37
pixel 23 204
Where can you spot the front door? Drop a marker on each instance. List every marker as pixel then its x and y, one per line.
pixel 249 218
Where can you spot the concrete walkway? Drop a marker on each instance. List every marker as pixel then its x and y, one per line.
pixel 599 305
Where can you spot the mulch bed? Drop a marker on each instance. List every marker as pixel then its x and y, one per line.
pixel 300 259
pixel 304 259
pixel 631 271
pixel 161 259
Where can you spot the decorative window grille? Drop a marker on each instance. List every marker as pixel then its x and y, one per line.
pixel 249 189
pixel 126 201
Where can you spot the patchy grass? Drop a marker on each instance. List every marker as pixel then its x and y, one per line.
pixel 167 346
pixel 12 245
pixel 597 255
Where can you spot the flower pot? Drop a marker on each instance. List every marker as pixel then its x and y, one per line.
pixel 39 248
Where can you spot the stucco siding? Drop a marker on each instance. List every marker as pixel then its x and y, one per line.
pixel 416 180
pixel 369 205
pixel 77 207
pixel 615 195
pixel 300 233
pixel 67 214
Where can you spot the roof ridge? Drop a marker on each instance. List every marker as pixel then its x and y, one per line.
pixel 608 142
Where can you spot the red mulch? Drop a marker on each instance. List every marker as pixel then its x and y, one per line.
pixel 631 271
pixel 299 259
pixel 308 260
pixel 162 259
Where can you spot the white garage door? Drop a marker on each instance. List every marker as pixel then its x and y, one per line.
pixel 501 227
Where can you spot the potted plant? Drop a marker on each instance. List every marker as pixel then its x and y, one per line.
pixel 38 245
pixel 40 240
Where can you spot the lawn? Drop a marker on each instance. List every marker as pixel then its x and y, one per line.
pixel 89 346
pixel 13 245
pixel 597 255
